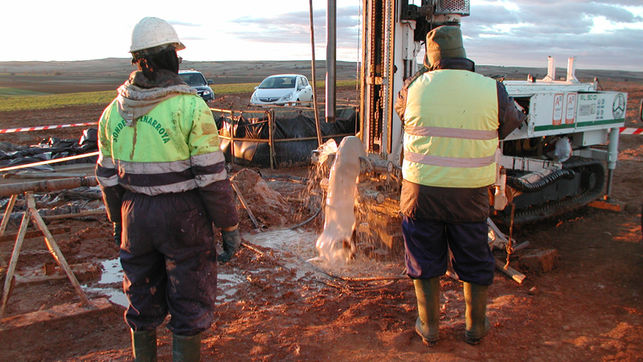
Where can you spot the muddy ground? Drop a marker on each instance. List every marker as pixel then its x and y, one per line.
pixel 273 305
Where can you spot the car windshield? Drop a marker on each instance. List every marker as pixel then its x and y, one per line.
pixel 278 82
pixel 193 79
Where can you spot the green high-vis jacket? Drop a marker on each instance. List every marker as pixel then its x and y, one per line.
pixel 171 149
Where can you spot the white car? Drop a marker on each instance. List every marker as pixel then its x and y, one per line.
pixel 283 89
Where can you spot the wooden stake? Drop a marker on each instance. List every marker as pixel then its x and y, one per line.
pixel 271 138
pixel 5 221
pixel 13 261
pixel 245 206
pixel 514 274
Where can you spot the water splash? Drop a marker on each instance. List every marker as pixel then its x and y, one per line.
pixel 335 244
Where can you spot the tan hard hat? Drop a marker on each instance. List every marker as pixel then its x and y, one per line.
pixel 153 32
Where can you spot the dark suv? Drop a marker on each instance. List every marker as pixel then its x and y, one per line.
pixel 197 81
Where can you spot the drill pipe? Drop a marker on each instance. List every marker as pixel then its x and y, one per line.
pixel 47 185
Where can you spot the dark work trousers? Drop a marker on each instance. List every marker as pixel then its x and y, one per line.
pixel 169 260
pixel 426 244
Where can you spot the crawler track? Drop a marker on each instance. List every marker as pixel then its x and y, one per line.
pixel 579 182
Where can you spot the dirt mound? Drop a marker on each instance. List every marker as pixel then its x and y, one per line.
pixel 268 206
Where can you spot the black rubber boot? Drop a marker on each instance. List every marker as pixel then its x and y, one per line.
pixel 144 345
pixel 476 322
pixel 186 348
pixel 427 292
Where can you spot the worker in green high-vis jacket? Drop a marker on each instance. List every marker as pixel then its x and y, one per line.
pixel 164 184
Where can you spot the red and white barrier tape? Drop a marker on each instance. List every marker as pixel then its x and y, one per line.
pixel 628 130
pixel 43 128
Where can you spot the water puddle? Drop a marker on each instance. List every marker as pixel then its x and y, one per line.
pixel 227 286
pixel 294 247
pixel 112 274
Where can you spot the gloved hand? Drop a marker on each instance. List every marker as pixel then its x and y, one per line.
pixel 231 243
pixel 118 229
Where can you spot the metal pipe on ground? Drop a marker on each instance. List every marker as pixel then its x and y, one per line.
pixel 47 185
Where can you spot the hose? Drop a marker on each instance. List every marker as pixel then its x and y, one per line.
pixel 307 220
pixel 523 184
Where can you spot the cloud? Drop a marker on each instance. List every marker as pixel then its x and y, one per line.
pixel 294 27
pixel 573 9
pixel 182 23
pixel 599 51
pixel 535 29
pixel 599 33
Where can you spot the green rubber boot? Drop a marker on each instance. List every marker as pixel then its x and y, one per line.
pixel 186 348
pixel 476 322
pixel 144 345
pixel 427 292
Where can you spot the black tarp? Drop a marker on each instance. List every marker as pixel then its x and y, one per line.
pixel 49 149
pixel 292 127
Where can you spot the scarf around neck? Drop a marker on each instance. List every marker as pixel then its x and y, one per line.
pixel 139 95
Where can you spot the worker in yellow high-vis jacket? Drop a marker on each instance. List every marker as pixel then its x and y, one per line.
pixel 164 184
pixel 453 119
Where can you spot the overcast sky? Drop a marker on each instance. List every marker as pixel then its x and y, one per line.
pixel 600 33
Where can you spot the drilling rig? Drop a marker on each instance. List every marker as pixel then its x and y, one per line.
pixel 554 163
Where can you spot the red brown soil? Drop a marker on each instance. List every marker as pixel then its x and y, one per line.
pixel 589 307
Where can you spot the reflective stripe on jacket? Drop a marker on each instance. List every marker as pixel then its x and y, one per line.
pixel 451 124
pixel 173 148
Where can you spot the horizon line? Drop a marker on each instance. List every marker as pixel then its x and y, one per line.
pixel 299 60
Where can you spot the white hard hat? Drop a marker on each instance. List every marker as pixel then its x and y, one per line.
pixel 152 32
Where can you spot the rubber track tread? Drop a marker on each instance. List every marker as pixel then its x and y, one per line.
pixel 554 208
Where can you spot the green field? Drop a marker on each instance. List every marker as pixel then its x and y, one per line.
pixel 5 91
pixel 26 102
pixel 12 99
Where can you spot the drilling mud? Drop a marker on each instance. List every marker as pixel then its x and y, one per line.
pixel 336 244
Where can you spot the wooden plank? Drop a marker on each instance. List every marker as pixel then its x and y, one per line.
pixel 36 233
pixel 83 213
pixel 607 205
pixel 57 312
pixel 82 271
